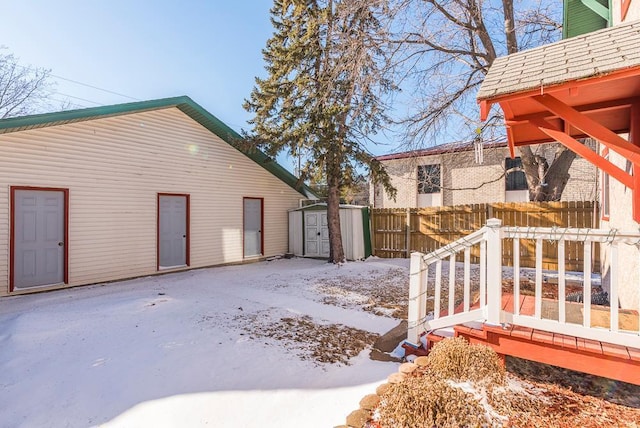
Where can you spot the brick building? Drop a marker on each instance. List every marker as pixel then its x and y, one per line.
pixel 452 174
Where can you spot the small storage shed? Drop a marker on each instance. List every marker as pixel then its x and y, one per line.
pixel 309 231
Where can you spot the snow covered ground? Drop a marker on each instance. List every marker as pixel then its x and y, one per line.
pixel 258 345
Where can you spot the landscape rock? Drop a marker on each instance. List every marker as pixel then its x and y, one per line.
pixel 358 418
pixel 407 368
pixel 422 361
pixel 369 402
pixel 396 377
pixel 382 389
pixel 388 342
pixel 377 355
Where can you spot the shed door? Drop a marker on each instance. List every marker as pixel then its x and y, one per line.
pixel 172 230
pixel 252 227
pixel 316 234
pixel 39 235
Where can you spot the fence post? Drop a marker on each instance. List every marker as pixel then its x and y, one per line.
pixel 408 232
pixel 417 297
pixel 494 270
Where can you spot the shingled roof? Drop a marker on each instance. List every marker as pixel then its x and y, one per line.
pixel 590 55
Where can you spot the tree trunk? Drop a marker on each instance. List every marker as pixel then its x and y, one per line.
pixel 336 251
pixel 558 173
pixel 509 26
pixel 334 176
pixel 546 183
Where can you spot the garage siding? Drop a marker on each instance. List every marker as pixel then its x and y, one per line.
pixel 115 167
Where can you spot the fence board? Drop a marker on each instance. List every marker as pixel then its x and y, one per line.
pixel 431 228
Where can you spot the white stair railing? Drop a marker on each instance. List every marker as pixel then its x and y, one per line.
pixel 426 284
pixel 585 327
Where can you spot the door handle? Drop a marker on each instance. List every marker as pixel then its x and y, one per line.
pixel 60 244
pixel 184 236
pixel 318 233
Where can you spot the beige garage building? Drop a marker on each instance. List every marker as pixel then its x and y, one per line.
pixel 134 189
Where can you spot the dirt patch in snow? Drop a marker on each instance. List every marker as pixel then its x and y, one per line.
pixel 385 293
pixel 307 338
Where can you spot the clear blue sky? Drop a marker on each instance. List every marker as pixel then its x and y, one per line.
pixel 208 50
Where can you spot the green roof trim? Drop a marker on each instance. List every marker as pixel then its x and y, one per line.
pixel 184 104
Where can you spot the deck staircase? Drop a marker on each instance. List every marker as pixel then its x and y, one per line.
pixel 595 339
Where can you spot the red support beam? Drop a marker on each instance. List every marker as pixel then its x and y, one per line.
pixel 599 107
pixel 485 106
pixel 510 142
pixel 624 8
pixel 590 127
pixel 582 150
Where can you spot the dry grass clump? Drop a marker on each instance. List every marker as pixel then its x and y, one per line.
pixel 431 397
pixel 455 359
pixel 521 407
pixel 425 402
pixel 466 386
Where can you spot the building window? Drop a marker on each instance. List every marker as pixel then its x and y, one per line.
pixel 429 178
pixel 515 179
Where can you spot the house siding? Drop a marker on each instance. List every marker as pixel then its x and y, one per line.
pixel 462 178
pixel 621 218
pixel 621 202
pixel 115 167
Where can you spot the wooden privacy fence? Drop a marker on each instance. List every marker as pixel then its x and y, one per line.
pixel 399 231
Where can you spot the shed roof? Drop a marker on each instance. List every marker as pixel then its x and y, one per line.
pixel 587 56
pixel 323 206
pixel 184 104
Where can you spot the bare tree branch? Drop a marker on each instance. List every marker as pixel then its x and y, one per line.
pixel 23 90
pixel 444 48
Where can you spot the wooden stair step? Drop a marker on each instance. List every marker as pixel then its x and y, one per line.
pixel 523 332
pixel 634 354
pixel 469 331
pixel 587 345
pixel 615 351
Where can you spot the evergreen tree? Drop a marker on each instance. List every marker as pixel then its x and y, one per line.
pixel 322 97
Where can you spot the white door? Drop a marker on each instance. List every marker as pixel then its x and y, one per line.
pixel 172 230
pixel 39 235
pixel 252 234
pixel 316 232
